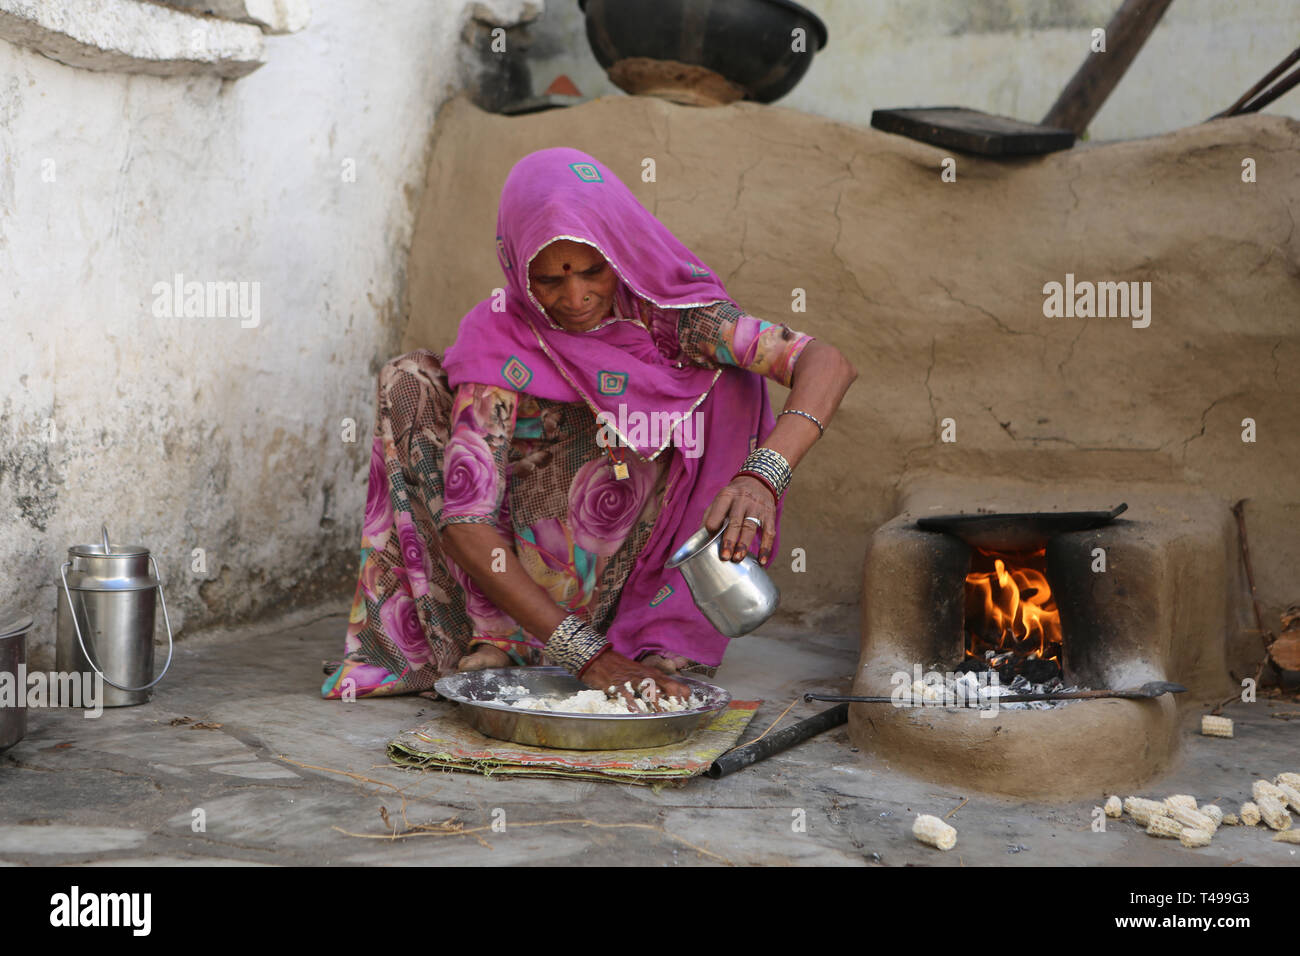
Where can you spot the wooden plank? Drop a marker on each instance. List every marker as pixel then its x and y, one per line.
pixel 972 131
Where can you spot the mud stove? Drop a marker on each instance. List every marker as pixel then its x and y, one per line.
pixel 1137 598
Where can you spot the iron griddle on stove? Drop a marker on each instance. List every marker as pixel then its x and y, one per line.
pixel 1017 532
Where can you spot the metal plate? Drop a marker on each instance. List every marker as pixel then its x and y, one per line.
pixel 480 694
pixel 1017 532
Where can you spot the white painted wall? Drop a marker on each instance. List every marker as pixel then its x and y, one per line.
pixel 1011 57
pixel 186 433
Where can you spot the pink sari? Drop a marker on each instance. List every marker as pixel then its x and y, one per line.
pixel 415 613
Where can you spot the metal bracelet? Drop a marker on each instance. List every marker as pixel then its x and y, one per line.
pixel 573 643
pixel 771 464
pixel 821 429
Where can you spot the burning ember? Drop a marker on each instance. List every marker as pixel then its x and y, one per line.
pixel 1012 624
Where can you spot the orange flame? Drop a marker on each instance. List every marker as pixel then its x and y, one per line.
pixel 1014 606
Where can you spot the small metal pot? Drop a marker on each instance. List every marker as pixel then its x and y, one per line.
pixel 13 655
pixel 736 596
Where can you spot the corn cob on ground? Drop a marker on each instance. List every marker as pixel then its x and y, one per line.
pixel 1164 827
pixel 1193 837
pixel 1287 836
pixel 1185 800
pixel 1260 787
pixel 1231 820
pixel 1142 810
pixel 1273 813
pixel 1213 812
pixel 1249 814
pixel 934 832
pixel 1193 818
pixel 1292 796
pixel 1290 779
pixel 1114 807
pixel 1212 726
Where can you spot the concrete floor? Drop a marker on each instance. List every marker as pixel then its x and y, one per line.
pixel 125 788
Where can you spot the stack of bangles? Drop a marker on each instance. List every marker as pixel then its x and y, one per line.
pixel 574 644
pixel 769 467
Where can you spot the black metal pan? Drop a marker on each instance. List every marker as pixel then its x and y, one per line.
pixel 1017 532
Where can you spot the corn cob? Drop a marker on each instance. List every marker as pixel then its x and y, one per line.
pixel 1231 820
pixel 1249 814
pixel 1292 795
pixel 1214 813
pixel 1192 818
pixel 1181 800
pixel 1290 779
pixel 1142 810
pixel 1273 813
pixel 1164 827
pixel 1212 726
pixel 1260 787
pixel 934 832
pixel 1114 807
pixel 1287 836
pixel 1193 837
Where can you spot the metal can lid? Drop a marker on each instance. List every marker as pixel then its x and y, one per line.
pixel 13 622
pixel 115 551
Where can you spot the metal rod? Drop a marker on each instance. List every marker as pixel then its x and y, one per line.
pixel 1269 77
pixel 742 757
pixel 1272 93
pixel 1155 689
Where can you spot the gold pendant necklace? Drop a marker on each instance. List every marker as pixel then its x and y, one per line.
pixel 620 466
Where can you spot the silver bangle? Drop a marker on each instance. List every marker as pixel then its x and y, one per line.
pixel 771 464
pixel 821 429
pixel 574 643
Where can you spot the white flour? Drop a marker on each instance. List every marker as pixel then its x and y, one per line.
pixel 596 702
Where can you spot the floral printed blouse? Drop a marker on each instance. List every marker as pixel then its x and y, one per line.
pixel 522 464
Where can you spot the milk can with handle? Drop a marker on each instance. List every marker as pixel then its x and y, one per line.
pixel 106 619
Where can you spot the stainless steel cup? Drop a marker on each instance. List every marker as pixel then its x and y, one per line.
pixel 736 596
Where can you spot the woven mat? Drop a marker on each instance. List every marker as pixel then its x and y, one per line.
pixel 448 743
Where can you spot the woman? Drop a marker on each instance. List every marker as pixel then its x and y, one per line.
pixel 527 489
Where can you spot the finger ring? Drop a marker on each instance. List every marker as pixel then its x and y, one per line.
pixel 757 521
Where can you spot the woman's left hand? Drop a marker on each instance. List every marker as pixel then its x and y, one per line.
pixel 743 498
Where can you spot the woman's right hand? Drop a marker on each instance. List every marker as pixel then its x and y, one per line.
pixel 612 669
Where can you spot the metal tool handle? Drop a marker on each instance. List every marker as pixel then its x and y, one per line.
pixel 760 749
pixel 63 573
